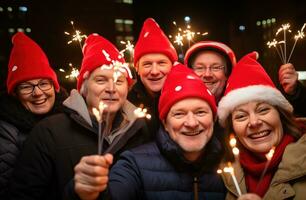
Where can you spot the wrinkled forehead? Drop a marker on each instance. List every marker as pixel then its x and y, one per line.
pixel 209 57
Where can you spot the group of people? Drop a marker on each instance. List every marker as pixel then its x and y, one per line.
pixel 50 141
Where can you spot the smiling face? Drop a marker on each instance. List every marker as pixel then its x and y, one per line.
pixel 41 100
pixel 101 87
pixel 191 126
pixel 215 81
pixel 257 125
pixel 153 69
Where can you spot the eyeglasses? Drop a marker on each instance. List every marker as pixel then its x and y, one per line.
pixel 201 68
pixel 28 88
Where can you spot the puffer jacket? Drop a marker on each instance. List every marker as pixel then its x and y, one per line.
pixel 57 144
pixel 15 124
pixel 158 171
pixel 289 181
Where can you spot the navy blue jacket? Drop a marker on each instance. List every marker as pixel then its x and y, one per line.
pixel 158 170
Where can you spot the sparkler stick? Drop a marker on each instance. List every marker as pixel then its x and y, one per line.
pixel 269 156
pixel 230 170
pixel 299 35
pixel 98 113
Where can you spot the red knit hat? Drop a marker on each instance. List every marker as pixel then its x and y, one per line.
pixel 180 84
pixel 249 82
pixel 99 52
pixel 214 46
pixel 153 40
pixel 27 62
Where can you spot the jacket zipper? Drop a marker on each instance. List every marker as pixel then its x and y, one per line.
pixel 196 188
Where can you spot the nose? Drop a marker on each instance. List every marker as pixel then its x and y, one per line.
pixel 155 69
pixel 110 88
pixel 37 91
pixel 207 72
pixel 254 121
pixel 191 120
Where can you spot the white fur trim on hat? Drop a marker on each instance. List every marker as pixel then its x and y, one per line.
pixel 251 93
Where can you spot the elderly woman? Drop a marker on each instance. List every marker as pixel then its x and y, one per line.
pixel 261 119
pixel 33 93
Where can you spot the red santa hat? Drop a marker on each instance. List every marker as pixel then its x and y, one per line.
pixel 249 82
pixel 28 61
pixel 99 52
pixel 182 83
pixel 153 40
pixel 219 47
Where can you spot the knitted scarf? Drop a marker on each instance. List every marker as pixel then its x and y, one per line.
pixel 254 164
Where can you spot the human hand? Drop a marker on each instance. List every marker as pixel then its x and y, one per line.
pixel 249 196
pixel 288 78
pixel 91 175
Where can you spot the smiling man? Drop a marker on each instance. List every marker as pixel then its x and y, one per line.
pixel 213 62
pixel 154 56
pixel 182 162
pixel 57 144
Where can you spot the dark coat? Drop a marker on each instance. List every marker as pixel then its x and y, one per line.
pixel 139 96
pixel 15 124
pixel 57 144
pixel 158 171
pixel 298 100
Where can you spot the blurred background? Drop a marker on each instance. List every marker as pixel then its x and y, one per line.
pixel 243 25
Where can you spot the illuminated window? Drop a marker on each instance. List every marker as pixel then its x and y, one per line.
pixel 128 25
pixel 23 9
pixel 119 25
pixel 124 25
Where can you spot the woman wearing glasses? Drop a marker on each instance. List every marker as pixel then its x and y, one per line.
pixel 33 93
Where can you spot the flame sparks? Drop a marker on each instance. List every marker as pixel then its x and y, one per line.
pixel 281 46
pixel 142 112
pixel 77 36
pixel 74 73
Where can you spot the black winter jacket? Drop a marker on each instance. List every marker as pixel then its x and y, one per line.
pixel 139 97
pixel 15 124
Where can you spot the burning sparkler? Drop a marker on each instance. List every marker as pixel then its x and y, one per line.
pixel 77 36
pixel 281 46
pixel 229 169
pixel 129 47
pixel 98 113
pixel 187 34
pixel 74 73
pixel 142 112
pixel 269 156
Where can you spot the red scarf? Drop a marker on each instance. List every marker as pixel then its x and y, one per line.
pixel 254 164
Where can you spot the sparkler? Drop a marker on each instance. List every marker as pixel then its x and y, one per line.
pixel 74 73
pixel 229 169
pixel 281 46
pixel 77 36
pixel 142 112
pixel 269 156
pixel 187 34
pixel 129 47
pixel 98 113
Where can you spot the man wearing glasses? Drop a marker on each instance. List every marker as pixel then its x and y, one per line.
pixel 213 62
